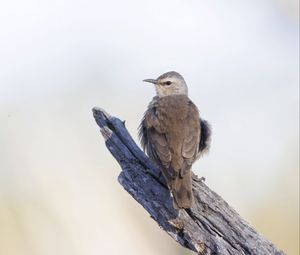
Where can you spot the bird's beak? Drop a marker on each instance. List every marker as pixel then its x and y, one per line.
pixel 150 80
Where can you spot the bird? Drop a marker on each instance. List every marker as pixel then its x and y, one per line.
pixel 174 136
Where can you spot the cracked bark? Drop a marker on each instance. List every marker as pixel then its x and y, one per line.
pixel 211 226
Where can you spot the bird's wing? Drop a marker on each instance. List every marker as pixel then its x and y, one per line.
pixel 191 139
pixel 192 144
pixel 153 140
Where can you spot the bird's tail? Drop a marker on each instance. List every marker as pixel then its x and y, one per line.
pixel 182 191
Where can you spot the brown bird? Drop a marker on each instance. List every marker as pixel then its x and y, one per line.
pixel 173 135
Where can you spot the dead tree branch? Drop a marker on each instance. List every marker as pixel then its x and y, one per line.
pixel 211 226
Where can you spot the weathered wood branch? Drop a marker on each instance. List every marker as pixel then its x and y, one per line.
pixel 211 226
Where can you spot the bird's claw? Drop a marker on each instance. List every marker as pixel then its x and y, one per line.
pixel 197 179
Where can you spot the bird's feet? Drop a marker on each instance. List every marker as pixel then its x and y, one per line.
pixel 197 179
pixel 158 177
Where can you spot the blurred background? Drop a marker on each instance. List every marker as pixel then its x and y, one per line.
pixel 58 184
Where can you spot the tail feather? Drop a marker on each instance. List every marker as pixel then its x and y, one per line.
pixel 181 188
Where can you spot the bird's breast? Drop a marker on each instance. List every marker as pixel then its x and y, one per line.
pixel 172 111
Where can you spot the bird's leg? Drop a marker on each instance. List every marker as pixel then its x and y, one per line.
pixel 158 177
pixel 161 178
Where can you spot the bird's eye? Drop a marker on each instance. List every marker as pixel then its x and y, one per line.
pixel 168 83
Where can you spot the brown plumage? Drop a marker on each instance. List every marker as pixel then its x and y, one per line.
pixel 170 133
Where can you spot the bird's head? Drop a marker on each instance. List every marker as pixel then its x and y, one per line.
pixel 170 83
